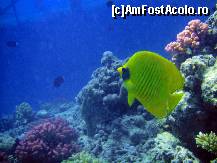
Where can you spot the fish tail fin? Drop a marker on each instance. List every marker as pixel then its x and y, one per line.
pixel 174 100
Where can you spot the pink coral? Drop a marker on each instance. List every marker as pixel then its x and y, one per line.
pixel 191 37
pixel 50 142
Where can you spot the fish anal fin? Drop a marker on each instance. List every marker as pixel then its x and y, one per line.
pixel 174 100
pixel 158 110
pixel 131 99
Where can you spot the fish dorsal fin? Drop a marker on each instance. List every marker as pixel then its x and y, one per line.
pixel 131 99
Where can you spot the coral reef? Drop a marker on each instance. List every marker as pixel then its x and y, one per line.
pixel 23 114
pixel 212 34
pixel 212 22
pixel 197 110
pixel 207 141
pixel 6 122
pixel 73 117
pixel 193 70
pixel 209 86
pixel 55 108
pixel 3 157
pixel 188 42
pixel 192 112
pixel 108 128
pixel 131 136
pixel 166 148
pixel 6 142
pixel 50 142
pixel 83 157
pixel 134 136
pixel 101 99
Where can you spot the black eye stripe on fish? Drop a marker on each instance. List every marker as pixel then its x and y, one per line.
pixel 126 73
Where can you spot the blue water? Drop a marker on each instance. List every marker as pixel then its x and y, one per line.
pixel 56 37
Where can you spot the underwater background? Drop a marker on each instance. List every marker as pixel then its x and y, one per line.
pixel 62 99
pixel 67 38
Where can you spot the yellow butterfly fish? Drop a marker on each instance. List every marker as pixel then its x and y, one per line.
pixel 154 81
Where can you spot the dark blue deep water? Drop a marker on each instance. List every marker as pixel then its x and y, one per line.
pixel 67 38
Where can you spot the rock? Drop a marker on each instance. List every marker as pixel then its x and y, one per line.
pixel 137 136
pixel 42 114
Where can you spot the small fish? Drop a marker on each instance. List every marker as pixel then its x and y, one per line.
pixel 12 44
pixel 58 81
pixel 109 3
pixel 153 81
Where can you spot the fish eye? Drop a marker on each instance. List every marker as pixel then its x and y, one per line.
pixel 125 73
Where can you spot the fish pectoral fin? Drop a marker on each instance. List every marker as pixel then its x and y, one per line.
pixel 129 85
pixel 131 99
pixel 174 100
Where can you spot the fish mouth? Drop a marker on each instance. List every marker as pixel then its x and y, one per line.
pixel 120 70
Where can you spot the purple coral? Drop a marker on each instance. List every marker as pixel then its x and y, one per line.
pixel 3 157
pixel 50 142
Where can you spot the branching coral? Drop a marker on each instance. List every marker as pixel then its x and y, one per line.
pixel 50 142
pixel 207 141
pixel 3 157
pixel 188 41
pixel 190 37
